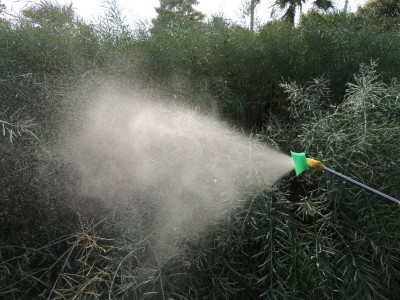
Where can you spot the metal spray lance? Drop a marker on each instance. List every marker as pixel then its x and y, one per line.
pixel 302 163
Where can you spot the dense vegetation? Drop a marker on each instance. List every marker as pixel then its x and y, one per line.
pixel 326 86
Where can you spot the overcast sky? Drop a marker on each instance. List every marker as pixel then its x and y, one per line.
pixel 144 9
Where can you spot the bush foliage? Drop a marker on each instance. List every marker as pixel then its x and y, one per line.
pixel 327 87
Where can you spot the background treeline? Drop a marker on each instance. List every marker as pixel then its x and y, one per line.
pixel 326 86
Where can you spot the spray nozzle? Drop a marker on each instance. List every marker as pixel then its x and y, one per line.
pixel 299 162
pixel 302 163
pixel 316 164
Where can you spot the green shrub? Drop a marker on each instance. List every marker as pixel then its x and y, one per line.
pixel 311 237
pixel 353 230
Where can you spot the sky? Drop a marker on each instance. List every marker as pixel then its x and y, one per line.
pixel 135 10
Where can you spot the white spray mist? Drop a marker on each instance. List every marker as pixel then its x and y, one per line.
pixel 176 169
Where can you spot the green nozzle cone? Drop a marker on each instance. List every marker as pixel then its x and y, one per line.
pixel 299 162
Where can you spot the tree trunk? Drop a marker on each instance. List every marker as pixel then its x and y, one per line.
pixel 290 13
pixel 252 8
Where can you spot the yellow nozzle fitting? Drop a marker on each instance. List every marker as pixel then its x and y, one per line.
pixel 316 164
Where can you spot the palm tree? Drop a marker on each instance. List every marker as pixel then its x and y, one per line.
pixel 323 4
pixel 290 6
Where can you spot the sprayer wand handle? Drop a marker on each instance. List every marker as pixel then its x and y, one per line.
pixel 362 185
